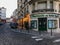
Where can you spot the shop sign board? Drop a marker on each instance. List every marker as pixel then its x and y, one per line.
pixel 43 15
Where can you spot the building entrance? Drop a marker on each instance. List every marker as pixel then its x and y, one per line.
pixel 42 24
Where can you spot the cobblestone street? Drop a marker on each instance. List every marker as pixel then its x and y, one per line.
pixel 9 37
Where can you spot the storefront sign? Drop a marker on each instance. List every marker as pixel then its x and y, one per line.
pixel 43 15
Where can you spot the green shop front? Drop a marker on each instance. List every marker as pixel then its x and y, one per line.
pixel 44 22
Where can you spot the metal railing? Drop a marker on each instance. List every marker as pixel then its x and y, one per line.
pixel 43 10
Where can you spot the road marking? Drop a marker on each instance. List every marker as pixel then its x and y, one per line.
pixel 39 39
pixel 58 40
pixel 34 37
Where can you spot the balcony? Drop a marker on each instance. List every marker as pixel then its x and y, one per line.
pixel 43 10
pixel 44 0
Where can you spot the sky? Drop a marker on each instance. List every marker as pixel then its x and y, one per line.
pixel 10 6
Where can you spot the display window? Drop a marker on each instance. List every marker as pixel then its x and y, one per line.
pixel 34 24
pixel 52 24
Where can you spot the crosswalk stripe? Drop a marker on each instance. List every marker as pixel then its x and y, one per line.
pixel 58 40
pixel 39 39
pixel 34 37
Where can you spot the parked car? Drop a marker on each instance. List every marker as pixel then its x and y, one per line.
pixel 1 23
pixel 13 25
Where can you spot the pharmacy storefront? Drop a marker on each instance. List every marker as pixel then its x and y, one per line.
pixel 45 22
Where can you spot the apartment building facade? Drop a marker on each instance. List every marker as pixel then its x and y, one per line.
pixel 23 11
pixel 15 13
pixel 45 15
pixel 3 14
pixel 22 6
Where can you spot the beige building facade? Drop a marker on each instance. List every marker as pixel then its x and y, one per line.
pixel 45 15
pixel 23 12
pixel 23 7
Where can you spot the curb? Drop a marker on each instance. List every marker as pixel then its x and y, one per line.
pixel 47 37
pixel 24 32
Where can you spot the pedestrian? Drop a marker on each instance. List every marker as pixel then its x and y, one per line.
pixel 16 25
pixel 27 26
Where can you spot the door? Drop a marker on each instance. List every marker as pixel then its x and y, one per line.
pixel 42 24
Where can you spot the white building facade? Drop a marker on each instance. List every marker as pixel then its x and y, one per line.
pixel 45 15
pixel 3 14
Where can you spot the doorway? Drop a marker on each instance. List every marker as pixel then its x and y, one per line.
pixel 42 24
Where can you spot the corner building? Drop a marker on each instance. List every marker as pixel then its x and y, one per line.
pixel 45 15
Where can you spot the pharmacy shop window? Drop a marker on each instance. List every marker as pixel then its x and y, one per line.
pixel 52 24
pixel 34 24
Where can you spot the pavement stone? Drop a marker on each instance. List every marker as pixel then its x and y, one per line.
pixel 10 37
pixel 36 33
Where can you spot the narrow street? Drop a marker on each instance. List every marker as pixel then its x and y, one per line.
pixel 9 37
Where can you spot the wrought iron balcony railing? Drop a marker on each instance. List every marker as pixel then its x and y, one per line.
pixel 43 10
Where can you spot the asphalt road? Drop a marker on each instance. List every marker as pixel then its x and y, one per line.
pixel 9 37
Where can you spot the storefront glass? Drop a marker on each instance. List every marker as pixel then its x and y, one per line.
pixel 52 24
pixel 34 24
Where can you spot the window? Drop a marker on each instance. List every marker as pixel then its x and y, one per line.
pixel 27 10
pixel 34 24
pixel 0 12
pixel 42 2
pixel 51 5
pixel 59 7
pixel 42 5
pixel 25 0
pixel 33 6
pixel 18 5
pixel 0 8
pixel 52 24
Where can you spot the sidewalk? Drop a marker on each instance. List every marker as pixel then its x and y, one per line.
pixel 37 33
pixel 32 32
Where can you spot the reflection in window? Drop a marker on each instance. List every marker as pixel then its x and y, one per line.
pixel 34 24
pixel 52 23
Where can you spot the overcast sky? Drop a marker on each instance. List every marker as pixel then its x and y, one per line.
pixel 10 6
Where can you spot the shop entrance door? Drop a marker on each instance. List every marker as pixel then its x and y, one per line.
pixel 42 24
